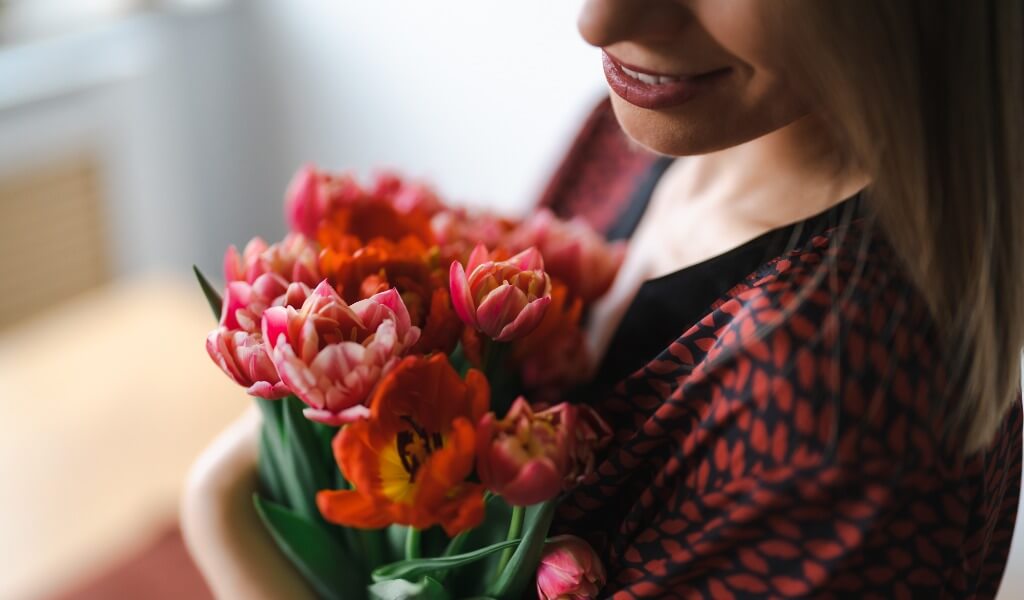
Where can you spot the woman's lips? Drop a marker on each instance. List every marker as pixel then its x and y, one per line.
pixel 649 90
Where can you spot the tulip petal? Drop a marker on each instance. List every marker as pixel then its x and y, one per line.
pixel 392 300
pixel 297 375
pixel 477 257
pixel 275 325
pixel 528 260
pixel 526 321
pixel 335 419
pixel 268 391
pixel 538 481
pixel 233 268
pixel 462 299
pixel 497 308
pixel 325 290
pixel 304 206
pixel 352 509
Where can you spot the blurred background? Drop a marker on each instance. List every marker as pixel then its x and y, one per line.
pixel 138 137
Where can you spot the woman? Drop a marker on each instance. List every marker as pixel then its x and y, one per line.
pixel 842 418
pixel 812 351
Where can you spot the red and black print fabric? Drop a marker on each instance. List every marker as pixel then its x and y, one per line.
pixel 786 444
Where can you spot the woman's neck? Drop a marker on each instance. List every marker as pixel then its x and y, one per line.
pixel 779 178
pixel 706 205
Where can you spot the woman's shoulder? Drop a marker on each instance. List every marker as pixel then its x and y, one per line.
pixel 830 334
pixel 825 336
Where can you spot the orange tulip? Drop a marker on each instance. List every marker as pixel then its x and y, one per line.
pixel 412 268
pixel 368 217
pixel 410 460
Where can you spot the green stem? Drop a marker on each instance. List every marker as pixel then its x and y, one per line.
pixel 454 547
pixel 494 356
pixel 515 527
pixel 456 543
pixel 412 543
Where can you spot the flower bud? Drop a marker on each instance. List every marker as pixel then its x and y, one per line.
pixel 506 299
pixel 569 569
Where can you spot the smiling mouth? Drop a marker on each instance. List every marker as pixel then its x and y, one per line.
pixel 657 90
pixel 652 79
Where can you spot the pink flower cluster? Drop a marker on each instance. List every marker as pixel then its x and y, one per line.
pixel 261 277
pixel 331 355
pixel 284 329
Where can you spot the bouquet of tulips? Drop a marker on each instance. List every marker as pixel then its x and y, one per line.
pixel 409 359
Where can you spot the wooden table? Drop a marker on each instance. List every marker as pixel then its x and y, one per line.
pixel 104 403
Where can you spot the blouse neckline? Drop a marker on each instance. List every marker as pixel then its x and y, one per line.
pixel 665 306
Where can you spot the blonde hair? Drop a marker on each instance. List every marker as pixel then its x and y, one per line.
pixel 927 97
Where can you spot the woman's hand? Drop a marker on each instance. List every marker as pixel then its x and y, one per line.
pixel 223 533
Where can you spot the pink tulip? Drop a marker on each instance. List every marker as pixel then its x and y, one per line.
pixel 573 252
pixel 458 230
pixel 529 457
pixel 506 299
pixel 244 267
pixel 306 201
pixel 244 358
pixel 237 344
pixel 406 196
pixel 295 258
pixel 244 302
pixel 331 355
pixel 569 569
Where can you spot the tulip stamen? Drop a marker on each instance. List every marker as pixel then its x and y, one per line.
pixel 414 445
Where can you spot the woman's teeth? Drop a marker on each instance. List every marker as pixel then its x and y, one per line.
pixel 652 79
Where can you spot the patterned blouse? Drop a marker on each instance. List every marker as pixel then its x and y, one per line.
pixel 781 442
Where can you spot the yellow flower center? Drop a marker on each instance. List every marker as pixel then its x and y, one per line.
pixel 402 459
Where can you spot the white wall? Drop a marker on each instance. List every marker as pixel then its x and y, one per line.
pixel 204 115
pixel 478 96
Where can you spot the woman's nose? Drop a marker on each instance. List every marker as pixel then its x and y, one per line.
pixel 605 22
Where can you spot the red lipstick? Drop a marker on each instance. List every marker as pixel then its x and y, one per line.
pixel 656 90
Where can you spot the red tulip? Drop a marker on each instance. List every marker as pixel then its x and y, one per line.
pixel 529 457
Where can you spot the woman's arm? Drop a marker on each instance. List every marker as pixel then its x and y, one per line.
pixel 223 533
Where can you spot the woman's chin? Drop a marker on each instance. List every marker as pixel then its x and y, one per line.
pixel 693 128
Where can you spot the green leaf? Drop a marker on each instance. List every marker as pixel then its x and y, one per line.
pixel 306 471
pixel 315 553
pixel 410 569
pixel 471 580
pixel 400 589
pixel 212 296
pixel 270 480
pixel 523 565
pixel 269 461
pixel 292 493
pixel 459 361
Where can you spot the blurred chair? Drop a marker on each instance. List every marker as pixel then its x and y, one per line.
pixel 52 236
